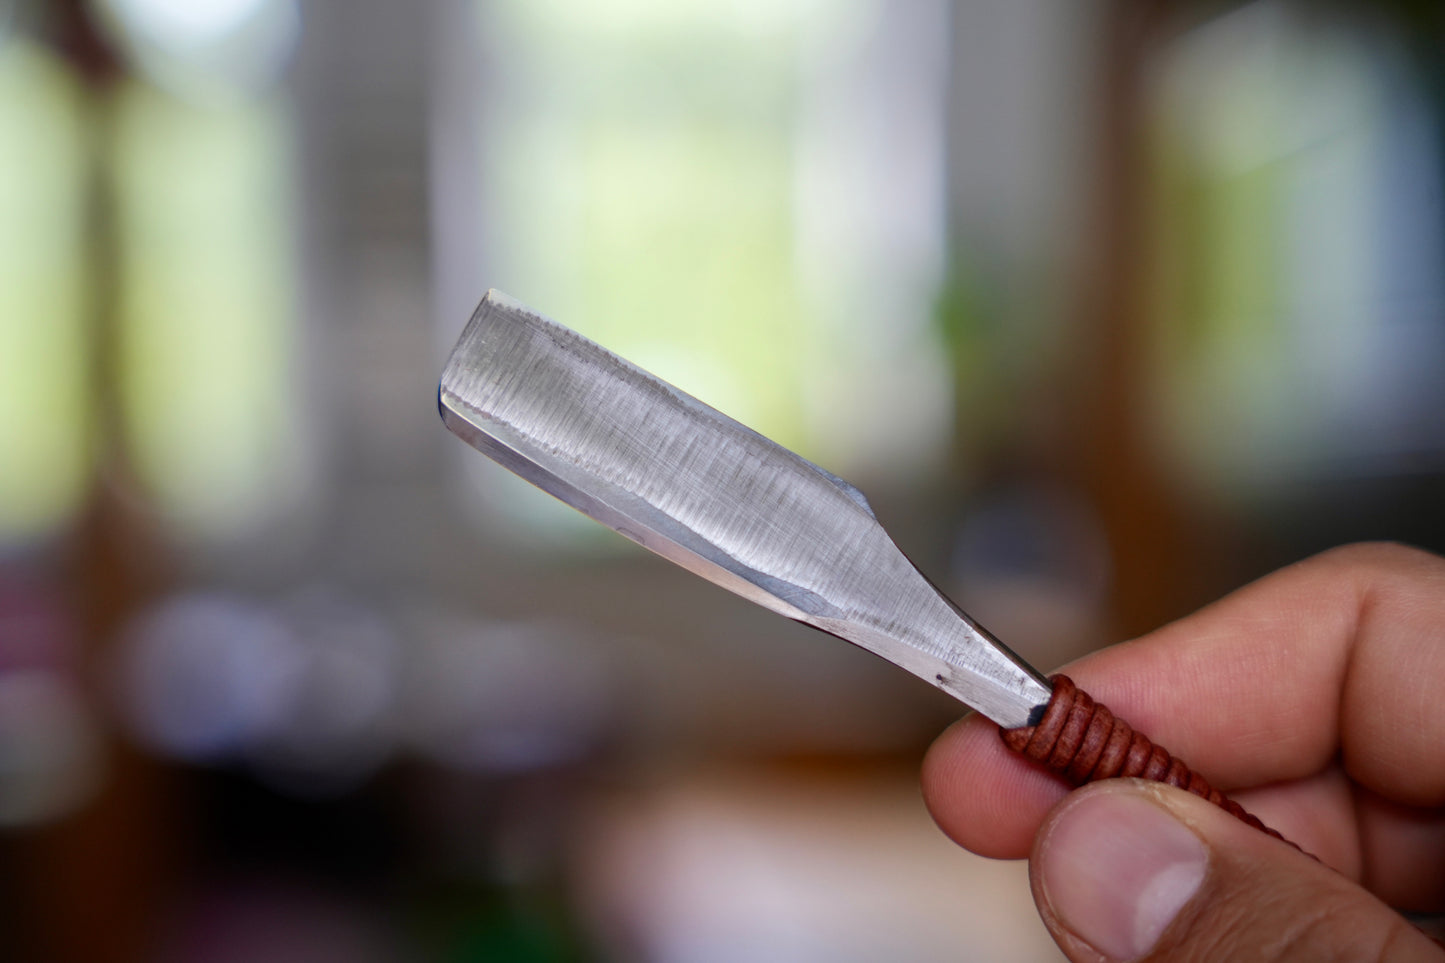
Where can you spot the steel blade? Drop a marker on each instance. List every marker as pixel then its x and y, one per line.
pixel 692 485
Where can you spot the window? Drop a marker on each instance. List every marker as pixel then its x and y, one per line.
pixel 746 199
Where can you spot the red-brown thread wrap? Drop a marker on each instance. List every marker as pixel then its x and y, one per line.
pixel 1083 741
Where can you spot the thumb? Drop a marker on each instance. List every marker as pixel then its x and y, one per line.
pixel 1130 870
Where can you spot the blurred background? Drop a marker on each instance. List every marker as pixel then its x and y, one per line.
pixel 1109 305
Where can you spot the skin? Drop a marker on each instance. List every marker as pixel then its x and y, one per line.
pixel 1314 696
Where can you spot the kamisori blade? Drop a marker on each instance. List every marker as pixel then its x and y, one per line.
pixel 692 485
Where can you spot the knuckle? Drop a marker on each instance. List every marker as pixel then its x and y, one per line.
pixel 1380 554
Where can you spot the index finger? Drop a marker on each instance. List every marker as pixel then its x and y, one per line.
pixel 1336 656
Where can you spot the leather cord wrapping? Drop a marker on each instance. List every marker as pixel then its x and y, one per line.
pixel 1084 742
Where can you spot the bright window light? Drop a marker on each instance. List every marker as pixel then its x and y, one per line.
pixel 183 24
pixel 1298 235
pixel 204 49
pixel 207 311
pixel 44 395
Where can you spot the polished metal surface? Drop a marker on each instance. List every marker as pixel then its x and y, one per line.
pixel 717 498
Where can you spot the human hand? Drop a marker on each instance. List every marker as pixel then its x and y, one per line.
pixel 1316 698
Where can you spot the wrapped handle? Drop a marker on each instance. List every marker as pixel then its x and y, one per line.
pixel 1083 741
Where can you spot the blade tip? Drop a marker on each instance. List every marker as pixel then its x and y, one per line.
pixel 452 382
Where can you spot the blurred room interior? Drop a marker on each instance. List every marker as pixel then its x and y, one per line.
pixel 1109 306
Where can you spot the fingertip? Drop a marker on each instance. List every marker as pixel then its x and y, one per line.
pixel 1112 868
pixel 985 798
pixel 941 763
pixel 1128 868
